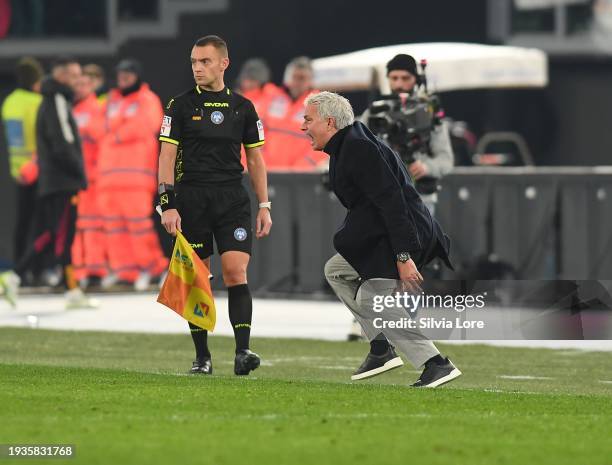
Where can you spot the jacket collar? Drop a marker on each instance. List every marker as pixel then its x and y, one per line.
pixel 50 87
pixel 333 145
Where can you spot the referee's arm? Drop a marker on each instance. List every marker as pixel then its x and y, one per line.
pixel 171 219
pixel 259 180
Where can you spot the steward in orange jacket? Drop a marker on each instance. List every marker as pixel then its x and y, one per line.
pixel 88 248
pixel 287 148
pixel 127 174
pixel 254 84
pixel 266 97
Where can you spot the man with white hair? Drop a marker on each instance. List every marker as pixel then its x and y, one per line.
pixel 388 234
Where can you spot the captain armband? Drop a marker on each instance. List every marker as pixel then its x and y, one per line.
pixel 167 200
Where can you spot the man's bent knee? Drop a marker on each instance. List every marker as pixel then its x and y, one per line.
pixel 338 268
pixel 331 269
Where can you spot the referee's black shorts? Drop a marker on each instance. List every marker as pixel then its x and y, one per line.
pixel 220 211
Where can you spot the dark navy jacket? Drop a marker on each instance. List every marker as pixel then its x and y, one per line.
pixel 385 213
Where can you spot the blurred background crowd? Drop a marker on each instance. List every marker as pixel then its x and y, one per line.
pixel 115 241
pixel 91 78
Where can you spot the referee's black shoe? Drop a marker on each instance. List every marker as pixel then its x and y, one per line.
pixel 376 364
pixel 245 362
pixel 201 366
pixel 435 375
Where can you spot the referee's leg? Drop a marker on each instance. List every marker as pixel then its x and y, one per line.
pixel 191 206
pixel 234 266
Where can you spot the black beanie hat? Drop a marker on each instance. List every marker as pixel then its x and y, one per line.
pixel 403 62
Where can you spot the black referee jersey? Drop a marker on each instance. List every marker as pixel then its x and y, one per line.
pixel 208 128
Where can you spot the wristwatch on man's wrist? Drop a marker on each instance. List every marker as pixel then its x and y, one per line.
pixel 403 257
pixel 267 205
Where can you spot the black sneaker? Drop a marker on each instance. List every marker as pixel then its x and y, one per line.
pixel 435 375
pixel 376 364
pixel 245 362
pixel 202 366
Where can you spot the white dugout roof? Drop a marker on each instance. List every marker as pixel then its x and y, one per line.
pixel 451 66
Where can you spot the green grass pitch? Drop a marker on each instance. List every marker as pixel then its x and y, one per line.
pixel 125 399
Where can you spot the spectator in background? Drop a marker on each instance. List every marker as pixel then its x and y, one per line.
pixel 88 251
pixel 96 74
pixel 61 176
pixel 254 77
pixel 254 84
pixel 127 179
pixel 19 120
pixel 287 147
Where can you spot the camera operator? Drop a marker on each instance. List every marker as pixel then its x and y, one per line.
pixel 429 156
pixel 415 132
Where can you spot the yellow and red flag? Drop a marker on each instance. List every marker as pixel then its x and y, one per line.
pixel 186 289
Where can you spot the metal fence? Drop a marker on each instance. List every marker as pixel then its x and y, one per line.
pixel 534 223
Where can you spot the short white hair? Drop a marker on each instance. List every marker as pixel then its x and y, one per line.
pixel 331 105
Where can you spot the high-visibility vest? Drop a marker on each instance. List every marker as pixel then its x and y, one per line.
pixel 89 117
pixel 264 97
pixel 128 153
pixel 19 112
pixel 287 147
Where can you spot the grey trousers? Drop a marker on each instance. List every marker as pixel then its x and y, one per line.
pixel 345 282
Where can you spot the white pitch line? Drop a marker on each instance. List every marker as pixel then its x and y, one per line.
pixel 139 312
pixel 524 377
pixel 335 367
pixel 605 381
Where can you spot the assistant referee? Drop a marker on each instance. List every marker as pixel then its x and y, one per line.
pixel 201 134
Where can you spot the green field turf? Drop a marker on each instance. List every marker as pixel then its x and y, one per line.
pixel 125 399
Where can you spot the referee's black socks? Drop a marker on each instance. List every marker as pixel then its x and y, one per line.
pixel 200 341
pixel 240 314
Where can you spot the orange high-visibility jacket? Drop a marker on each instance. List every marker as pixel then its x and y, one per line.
pixel 128 153
pixel 89 116
pixel 287 147
pixel 263 98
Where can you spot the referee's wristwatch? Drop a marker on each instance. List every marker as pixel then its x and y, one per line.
pixel 403 257
pixel 164 187
pixel 267 205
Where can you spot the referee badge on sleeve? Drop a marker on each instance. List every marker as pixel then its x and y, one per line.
pixel 166 126
pixel 260 129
